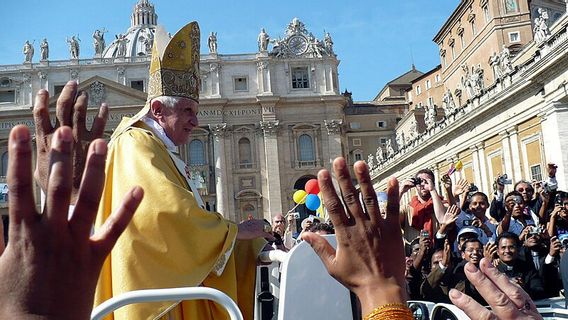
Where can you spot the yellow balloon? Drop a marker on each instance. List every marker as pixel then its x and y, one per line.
pixel 459 165
pixel 300 196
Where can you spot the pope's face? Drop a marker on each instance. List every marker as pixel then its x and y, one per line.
pixel 179 120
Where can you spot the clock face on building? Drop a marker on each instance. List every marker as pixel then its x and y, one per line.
pixel 298 44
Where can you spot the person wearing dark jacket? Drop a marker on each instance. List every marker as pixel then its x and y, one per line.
pixel 519 271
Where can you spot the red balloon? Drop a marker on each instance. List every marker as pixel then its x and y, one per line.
pixel 312 186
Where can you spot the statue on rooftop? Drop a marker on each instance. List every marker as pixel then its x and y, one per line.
pixel 99 42
pixel 28 51
pixel 263 40
pixel 74 47
pixel 212 42
pixel 44 49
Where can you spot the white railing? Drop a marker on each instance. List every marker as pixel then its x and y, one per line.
pixel 173 294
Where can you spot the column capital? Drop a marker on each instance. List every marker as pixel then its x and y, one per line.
pixel 218 130
pixel 269 127
pixel 333 126
pixel 474 148
pixel 513 130
pixel 550 108
pixel 504 134
pixel 480 145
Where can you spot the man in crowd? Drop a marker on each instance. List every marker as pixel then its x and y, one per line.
pixel 515 219
pixel 521 273
pixel 425 208
pixel 472 251
pixel 475 218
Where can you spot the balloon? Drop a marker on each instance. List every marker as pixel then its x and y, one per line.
pixel 299 196
pixel 459 165
pixel 312 202
pixel 312 186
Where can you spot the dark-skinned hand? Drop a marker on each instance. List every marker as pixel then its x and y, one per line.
pixel 51 264
pixel 370 253
pixel 71 110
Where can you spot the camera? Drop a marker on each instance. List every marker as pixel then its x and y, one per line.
pixel 534 230
pixel 467 223
pixel 424 234
pixel 547 187
pixel 563 238
pixel 503 180
pixel 295 215
pixel 416 181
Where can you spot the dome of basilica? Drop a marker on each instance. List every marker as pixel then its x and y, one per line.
pixel 138 39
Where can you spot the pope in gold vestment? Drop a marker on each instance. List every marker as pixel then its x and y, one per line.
pixel 171 241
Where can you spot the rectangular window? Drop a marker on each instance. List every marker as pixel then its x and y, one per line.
pixel 444 60
pixel 356 142
pixel 536 172
pixel 514 37
pixel 383 141
pixel 8 96
pixel 453 52
pixel 486 14
pixel 462 41
pixel 428 84
pixel 430 101
pixel 418 90
pixel 437 78
pixel 354 125
pixel 511 6
pixel 240 83
pixel 473 29
pixel 358 157
pixel 137 84
pixel 300 78
pixel 381 124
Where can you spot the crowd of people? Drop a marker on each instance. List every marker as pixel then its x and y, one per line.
pixel 522 232
pixel 56 266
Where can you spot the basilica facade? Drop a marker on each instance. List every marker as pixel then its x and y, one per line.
pixel 268 120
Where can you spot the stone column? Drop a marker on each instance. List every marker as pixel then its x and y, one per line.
pixel 334 138
pixel 271 166
pixel 476 168
pixel 215 79
pixel 554 117
pixel 483 167
pixel 506 147
pixel 43 80
pixel 263 76
pixel 515 155
pixel 27 89
pixel 218 131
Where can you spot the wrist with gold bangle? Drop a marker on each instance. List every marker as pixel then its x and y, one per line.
pixel 391 311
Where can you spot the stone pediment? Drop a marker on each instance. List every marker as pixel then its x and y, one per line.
pixel 104 90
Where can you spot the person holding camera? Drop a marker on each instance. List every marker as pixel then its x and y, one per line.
pixel 475 218
pixel 424 208
pixel 515 219
pixel 558 223
pixel 543 255
pixel 497 209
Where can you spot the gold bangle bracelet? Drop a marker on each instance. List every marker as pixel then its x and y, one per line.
pixel 395 311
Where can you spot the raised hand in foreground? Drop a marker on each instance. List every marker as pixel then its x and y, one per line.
pixel 507 300
pixel 51 264
pixel 71 110
pixel 370 257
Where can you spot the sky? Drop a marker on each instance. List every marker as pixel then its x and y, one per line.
pixel 375 41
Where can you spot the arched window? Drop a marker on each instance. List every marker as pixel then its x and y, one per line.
pixel 5 163
pixel 306 148
pixel 196 153
pixel 245 153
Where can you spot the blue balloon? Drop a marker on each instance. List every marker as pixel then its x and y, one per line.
pixel 313 202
